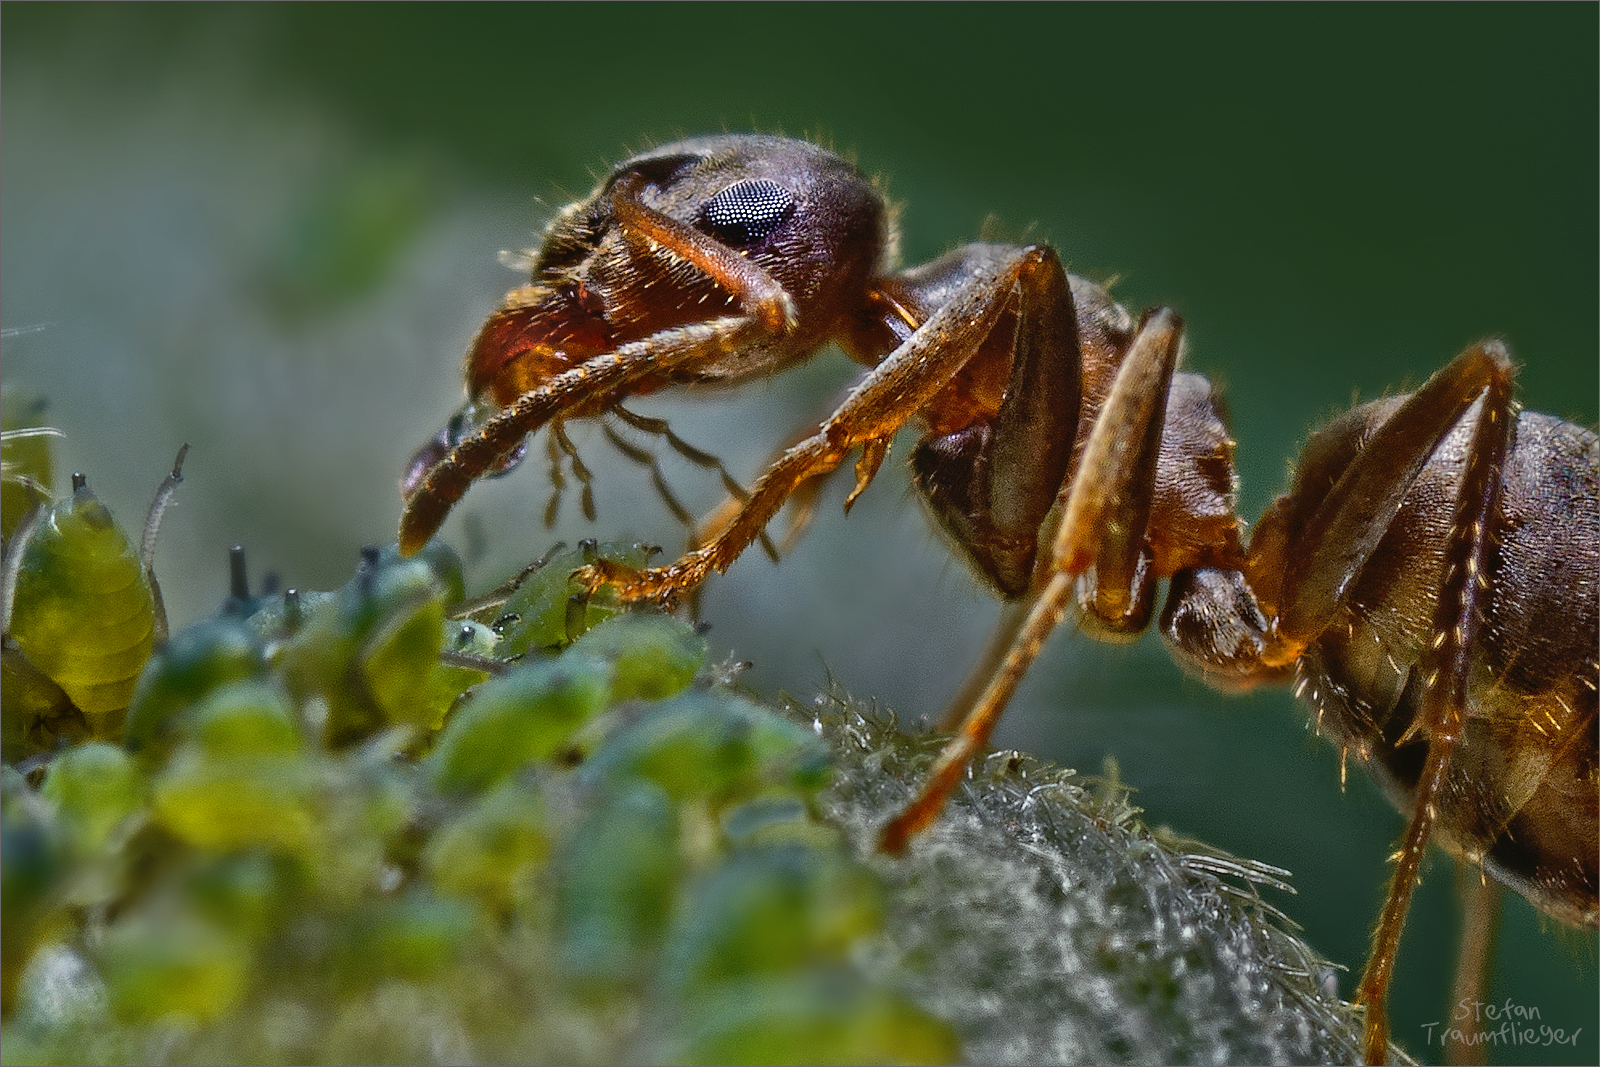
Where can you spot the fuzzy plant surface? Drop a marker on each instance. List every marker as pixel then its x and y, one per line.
pixel 378 824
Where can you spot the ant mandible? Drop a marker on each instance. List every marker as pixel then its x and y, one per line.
pixel 1428 584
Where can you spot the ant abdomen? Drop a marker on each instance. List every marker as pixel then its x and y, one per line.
pixel 1521 794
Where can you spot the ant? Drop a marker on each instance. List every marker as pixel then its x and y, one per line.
pixel 1427 585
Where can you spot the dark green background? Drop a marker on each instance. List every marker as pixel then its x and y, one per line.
pixel 270 231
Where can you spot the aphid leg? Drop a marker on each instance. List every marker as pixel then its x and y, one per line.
pixel 502 592
pixel 890 395
pixel 1111 491
pixel 1458 613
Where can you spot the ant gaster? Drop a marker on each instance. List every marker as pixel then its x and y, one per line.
pixel 1428 584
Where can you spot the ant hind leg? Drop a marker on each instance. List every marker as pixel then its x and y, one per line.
pixel 1458 613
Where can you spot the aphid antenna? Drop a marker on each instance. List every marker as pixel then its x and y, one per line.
pixel 15 549
pixel 158 509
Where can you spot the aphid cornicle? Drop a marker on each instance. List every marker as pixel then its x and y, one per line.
pixel 1428 584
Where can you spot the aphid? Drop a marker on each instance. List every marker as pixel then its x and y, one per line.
pixel 1428 585
pixel 82 613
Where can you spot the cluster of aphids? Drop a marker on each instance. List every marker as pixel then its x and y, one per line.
pixel 85 622
pixel 259 828
pixel 1427 584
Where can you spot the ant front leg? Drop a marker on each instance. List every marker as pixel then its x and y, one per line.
pixel 895 391
pixel 1102 526
pixel 768 312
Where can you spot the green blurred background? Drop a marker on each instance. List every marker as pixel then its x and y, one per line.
pixel 271 231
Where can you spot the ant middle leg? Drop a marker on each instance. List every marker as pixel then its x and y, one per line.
pixel 1102 526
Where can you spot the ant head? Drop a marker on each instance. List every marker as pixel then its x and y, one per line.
pixel 801 213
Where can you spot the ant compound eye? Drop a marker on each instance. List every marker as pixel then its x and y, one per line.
pixel 746 211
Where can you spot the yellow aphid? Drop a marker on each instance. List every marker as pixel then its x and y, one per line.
pixel 83 611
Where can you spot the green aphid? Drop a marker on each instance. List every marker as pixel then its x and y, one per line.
pixel 549 610
pixel 173 967
pixel 34 868
pixel 371 651
pixel 616 884
pixel 829 1016
pixel 243 780
pixel 96 793
pixel 277 618
pixel 94 788
pixel 35 714
pixel 470 638
pixel 769 911
pixel 196 661
pixel 83 610
pixel 526 715
pixel 439 558
pixel 411 938
pixel 776 817
pixel 654 656
pixel 246 718
pixel 713 746
pixel 493 851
